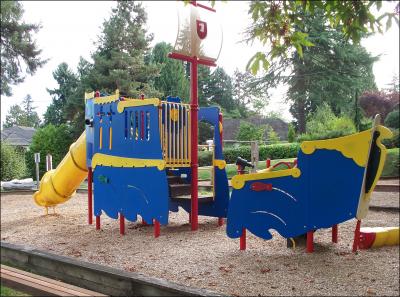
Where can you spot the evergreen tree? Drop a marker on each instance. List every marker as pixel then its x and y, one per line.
pixel 67 85
pixel 119 61
pixel 19 53
pixel 331 71
pixel 219 90
pixel 172 80
pixel 25 116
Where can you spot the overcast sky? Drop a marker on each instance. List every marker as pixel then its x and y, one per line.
pixel 70 28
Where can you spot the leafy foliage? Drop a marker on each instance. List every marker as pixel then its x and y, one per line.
pixel 291 133
pixel 394 141
pixel 273 151
pixel 279 23
pixel 323 124
pixel 19 53
pixel 25 116
pixel 272 136
pixel 393 120
pixel 392 163
pixel 54 140
pixel 331 71
pixel 12 162
pixel 378 102
pixel 249 132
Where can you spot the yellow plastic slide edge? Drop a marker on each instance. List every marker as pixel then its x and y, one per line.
pixel 238 181
pixel 115 161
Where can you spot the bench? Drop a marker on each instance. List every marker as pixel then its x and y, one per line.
pixel 37 285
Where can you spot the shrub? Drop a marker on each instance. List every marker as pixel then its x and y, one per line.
pixel 391 167
pixel 249 132
pixel 273 137
pixel 48 140
pixel 12 162
pixel 274 151
pixel 324 125
pixel 291 133
pixel 392 119
pixel 394 141
pixel 205 158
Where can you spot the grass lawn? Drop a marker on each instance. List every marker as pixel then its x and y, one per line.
pixel 11 292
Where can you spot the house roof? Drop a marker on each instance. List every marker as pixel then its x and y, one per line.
pixel 18 135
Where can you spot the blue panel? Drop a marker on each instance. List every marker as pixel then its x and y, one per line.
pixel 126 131
pixel 335 188
pixel 326 193
pixel 131 191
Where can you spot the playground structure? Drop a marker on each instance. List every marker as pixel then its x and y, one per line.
pixel 140 158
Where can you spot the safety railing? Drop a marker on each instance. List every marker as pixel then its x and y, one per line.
pixel 175 133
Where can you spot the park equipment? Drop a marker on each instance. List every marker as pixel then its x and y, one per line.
pixel 332 182
pixel 372 237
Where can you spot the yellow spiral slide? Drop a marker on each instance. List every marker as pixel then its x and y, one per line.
pixel 58 185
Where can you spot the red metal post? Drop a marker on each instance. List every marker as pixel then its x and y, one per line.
pixel 90 200
pixel 220 120
pixel 97 222
pixel 121 224
pixel 310 241
pixel 335 233
pixel 144 222
pixel 243 240
pixel 356 236
pixel 194 107
pixel 268 163
pixel 156 228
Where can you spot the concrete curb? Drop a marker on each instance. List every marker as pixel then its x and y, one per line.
pixel 90 276
pixel 384 208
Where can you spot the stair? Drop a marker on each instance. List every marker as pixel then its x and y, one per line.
pixel 179 189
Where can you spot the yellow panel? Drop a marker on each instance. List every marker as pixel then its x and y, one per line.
pixel 115 161
pixel 221 164
pixel 365 198
pixel 355 146
pixel 107 99
pixel 238 181
pixel 89 95
pixel 137 102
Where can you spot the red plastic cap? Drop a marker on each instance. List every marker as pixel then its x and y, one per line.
pixel 366 240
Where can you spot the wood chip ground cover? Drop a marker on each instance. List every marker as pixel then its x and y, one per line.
pixel 208 258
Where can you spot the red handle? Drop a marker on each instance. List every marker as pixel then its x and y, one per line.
pixel 259 186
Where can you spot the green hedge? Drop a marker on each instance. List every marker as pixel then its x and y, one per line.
pixel 273 151
pixel 391 167
pixel 12 162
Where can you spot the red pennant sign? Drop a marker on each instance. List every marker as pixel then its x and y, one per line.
pixel 201 29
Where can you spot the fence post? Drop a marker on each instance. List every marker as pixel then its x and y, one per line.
pixel 254 155
pixel 49 162
pixel 37 161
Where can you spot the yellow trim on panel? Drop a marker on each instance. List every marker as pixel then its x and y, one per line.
pixel 89 95
pixel 221 164
pixel 137 102
pixel 107 99
pixel 221 128
pixel 355 146
pixel 238 181
pixel 115 161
